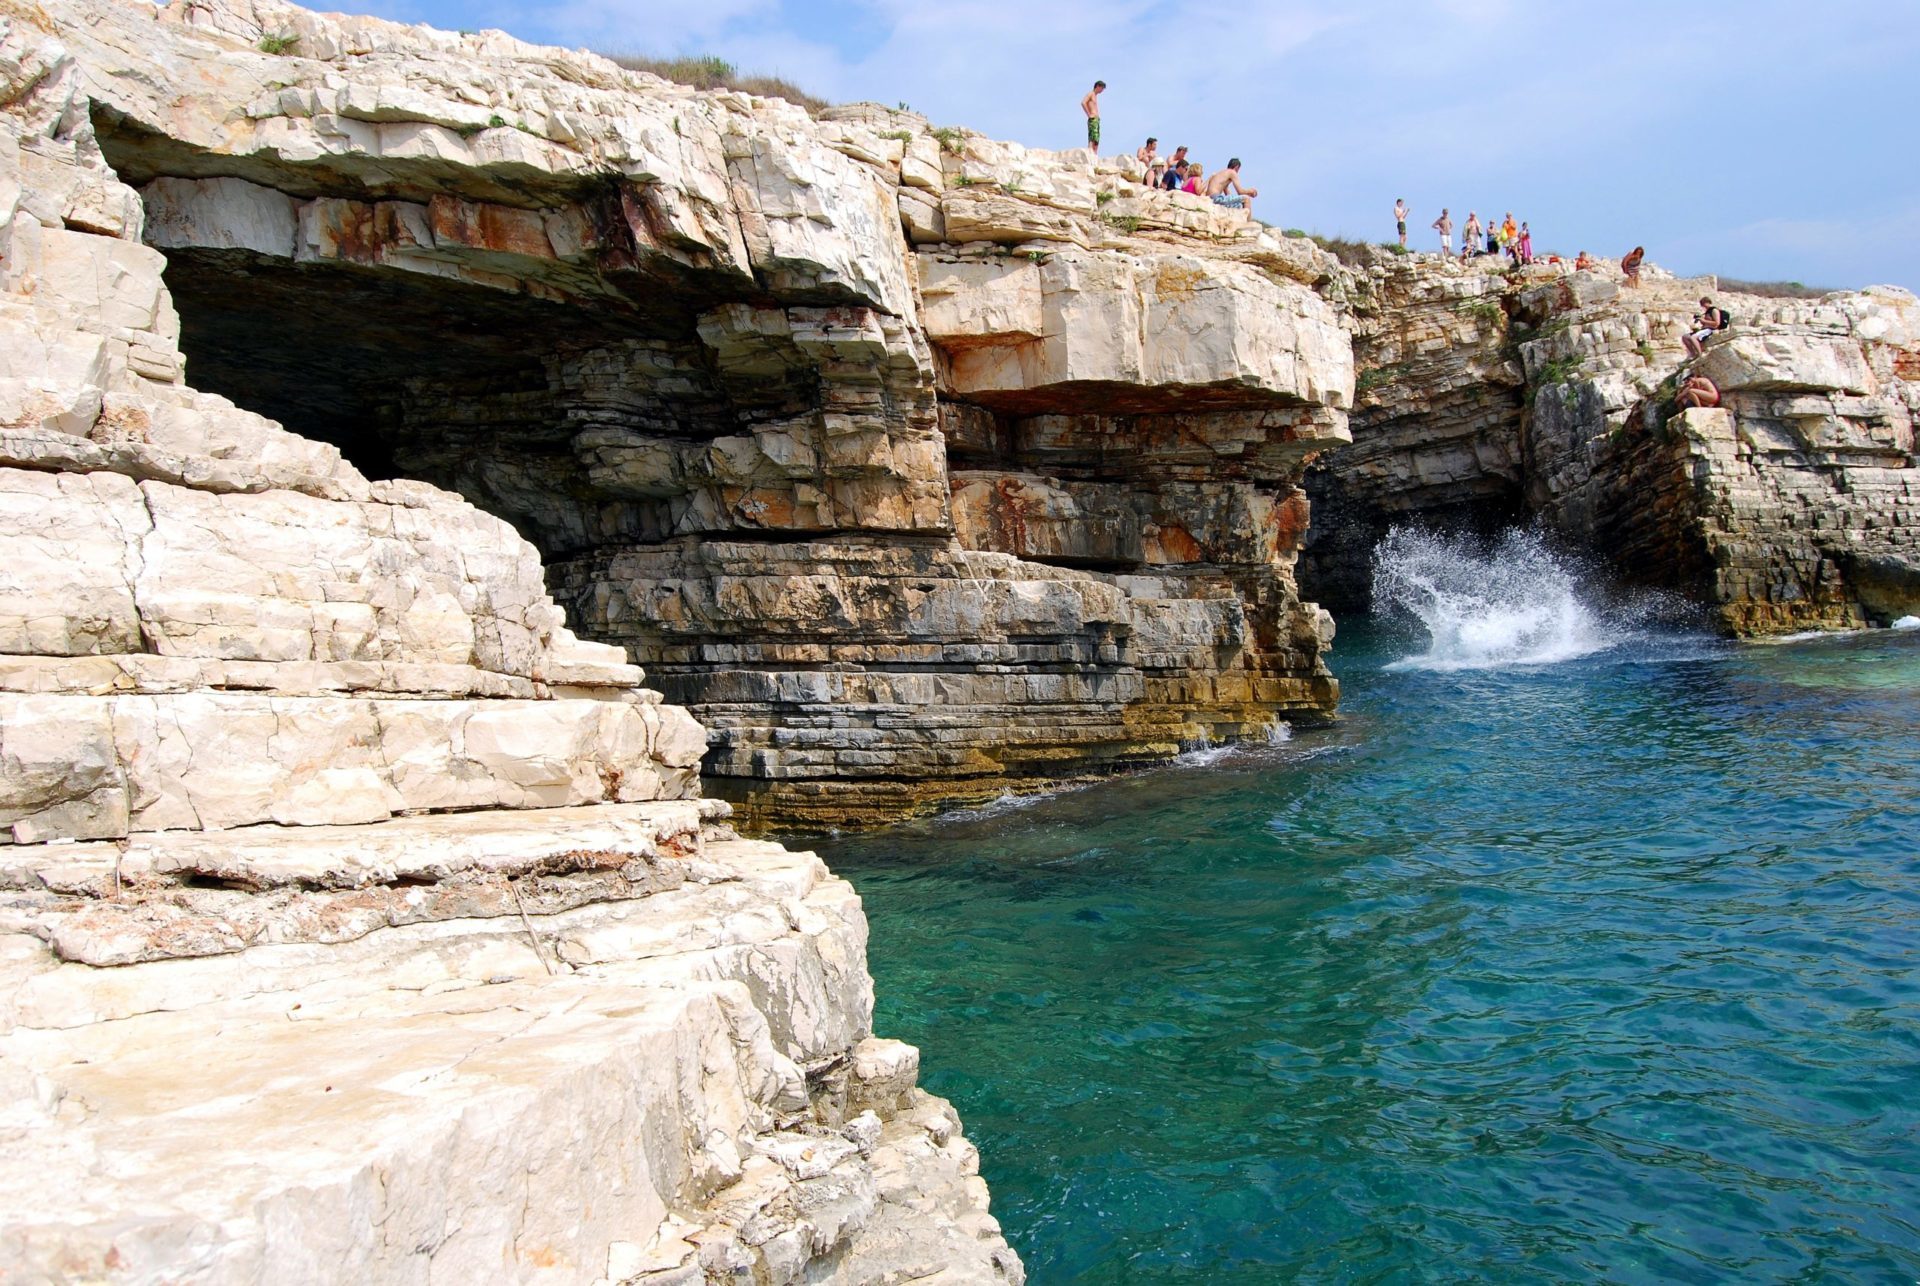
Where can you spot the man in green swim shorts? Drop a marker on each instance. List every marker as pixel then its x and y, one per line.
pixel 1091 106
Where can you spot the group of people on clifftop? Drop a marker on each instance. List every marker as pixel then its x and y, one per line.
pixel 1494 237
pixel 1176 173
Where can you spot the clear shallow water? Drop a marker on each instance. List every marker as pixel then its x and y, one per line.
pixel 1600 970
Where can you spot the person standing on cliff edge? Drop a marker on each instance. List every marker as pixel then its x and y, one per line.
pixel 1444 226
pixel 1091 106
pixel 1400 213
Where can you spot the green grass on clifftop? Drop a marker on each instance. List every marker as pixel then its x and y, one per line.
pixel 1773 289
pixel 709 72
pixel 1345 249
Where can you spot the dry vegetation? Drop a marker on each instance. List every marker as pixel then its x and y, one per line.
pixel 1346 250
pixel 718 73
pixel 1773 289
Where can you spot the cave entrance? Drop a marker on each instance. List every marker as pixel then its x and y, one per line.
pixel 524 346
pixel 351 356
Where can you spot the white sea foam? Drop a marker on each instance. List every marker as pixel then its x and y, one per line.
pixel 999 807
pixel 1805 636
pixel 1201 756
pixel 1513 605
pixel 1907 623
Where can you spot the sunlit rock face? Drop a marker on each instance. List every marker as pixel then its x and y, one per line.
pixel 358 921
pixel 709 354
pixel 1488 397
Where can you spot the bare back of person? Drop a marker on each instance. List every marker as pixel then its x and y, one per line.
pixel 1225 189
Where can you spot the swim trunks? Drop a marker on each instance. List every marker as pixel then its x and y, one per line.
pixel 1230 201
pixel 1093 131
pixel 1402 225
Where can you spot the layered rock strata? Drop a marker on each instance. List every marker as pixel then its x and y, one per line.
pixel 357 921
pixel 1546 394
pixel 854 432
pixel 1438 405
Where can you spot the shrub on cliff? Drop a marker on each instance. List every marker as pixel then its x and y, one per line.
pixel 708 72
pixel 1772 289
pixel 1355 254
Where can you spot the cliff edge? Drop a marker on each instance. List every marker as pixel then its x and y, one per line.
pixel 1489 396
pixel 917 466
pixel 357 921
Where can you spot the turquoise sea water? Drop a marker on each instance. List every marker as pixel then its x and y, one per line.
pixel 1600 969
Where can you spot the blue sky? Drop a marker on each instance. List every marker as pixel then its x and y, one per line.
pixel 1754 138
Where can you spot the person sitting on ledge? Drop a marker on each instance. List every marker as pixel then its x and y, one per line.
pixel 1708 320
pixel 1149 156
pixel 1192 182
pixel 1226 191
pixel 1697 391
pixel 1176 171
pixel 1585 262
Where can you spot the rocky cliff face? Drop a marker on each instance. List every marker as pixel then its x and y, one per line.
pixel 919 467
pixel 1488 396
pixel 357 921
pixel 1436 421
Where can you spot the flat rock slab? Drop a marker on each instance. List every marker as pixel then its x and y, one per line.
pixel 656 1088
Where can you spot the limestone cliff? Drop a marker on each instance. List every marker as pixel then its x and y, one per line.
pixel 357 921
pixel 1488 396
pixel 919 467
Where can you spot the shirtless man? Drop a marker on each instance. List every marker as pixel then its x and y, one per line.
pixel 1225 190
pixel 1444 226
pixel 1149 156
pixel 1091 106
pixel 1697 391
pixel 1400 213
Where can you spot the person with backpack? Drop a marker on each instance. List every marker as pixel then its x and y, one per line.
pixel 1707 321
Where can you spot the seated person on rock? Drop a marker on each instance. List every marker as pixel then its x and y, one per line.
pixel 1585 262
pixel 1149 156
pixel 1192 183
pixel 1697 391
pixel 1708 320
pixel 1225 190
pixel 1176 171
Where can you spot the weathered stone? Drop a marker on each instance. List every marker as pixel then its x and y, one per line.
pixel 1789 507
pixel 625 317
pixel 422 875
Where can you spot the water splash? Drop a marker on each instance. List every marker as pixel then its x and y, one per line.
pixel 1515 604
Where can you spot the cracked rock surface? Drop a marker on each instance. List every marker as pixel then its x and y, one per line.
pixel 358 922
